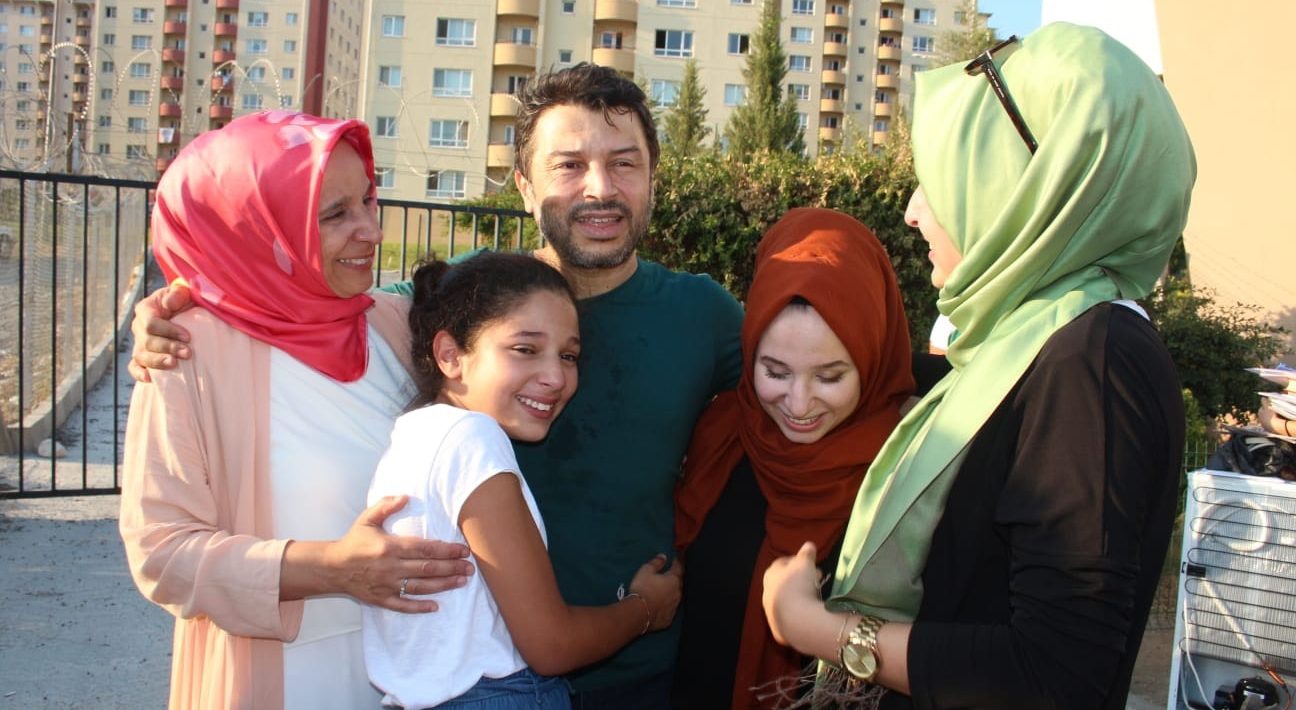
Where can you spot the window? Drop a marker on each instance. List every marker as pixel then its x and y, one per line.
pixel 105 94
pixel 735 94
pixel 798 62
pixel 610 40
pixel 138 97
pixel 924 16
pixel 142 15
pixel 665 92
pixel 136 151
pixel 141 70
pixel 27 10
pixel 456 33
pixel 916 69
pixel 258 19
pixel 110 11
pixel 103 149
pixel 104 122
pixel 141 41
pixel 885 70
pixel 389 76
pixel 834 93
pixel 446 183
pixel 23 87
pixel 251 102
pixel 516 83
pixel 739 43
pixel 565 56
pixel 288 73
pixel 286 101
pixel 802 7
pixel 569 7
pixel 22 143
pixel 137 125
pixel 393 25
pixel 448 134
pixel 960 17
pixel 674 43
pixel 23 105
pixel 109 39
pixel 510 133
pixel 830 122
pixel 677 3
pixel 802 35
pixel 290 45
pixel 838 37
pixel 925 45
pixel 741 2
pixel 452 82
pixel 385 127
pixel 257 74
pixel 257 46
pixel 22 124
pixel 803 121
pixel 26 30
pixel 881 125
pixel 836 9
pixel 26 68
pixel 522 35
pixel 290 19
pixel 384 178
pixel 801 92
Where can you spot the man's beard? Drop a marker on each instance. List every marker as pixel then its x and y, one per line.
pixel 556 228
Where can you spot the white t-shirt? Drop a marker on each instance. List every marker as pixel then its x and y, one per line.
pixel 325 440
pixel 439 455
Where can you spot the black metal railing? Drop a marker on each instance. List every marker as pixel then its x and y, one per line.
pixel 74 260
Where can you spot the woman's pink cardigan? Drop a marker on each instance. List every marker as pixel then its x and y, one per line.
pixel 195 511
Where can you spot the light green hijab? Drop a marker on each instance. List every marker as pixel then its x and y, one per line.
pixel 1091 217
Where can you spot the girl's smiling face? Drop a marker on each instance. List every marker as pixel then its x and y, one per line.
pixel 520 369
pixel 804 378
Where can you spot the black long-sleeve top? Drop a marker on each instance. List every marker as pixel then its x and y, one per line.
pixel 1043 567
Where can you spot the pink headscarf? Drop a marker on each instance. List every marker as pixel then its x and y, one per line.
pixel 237 219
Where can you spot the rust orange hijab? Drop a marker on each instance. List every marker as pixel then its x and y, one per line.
pixel 237 219
pixel 836 264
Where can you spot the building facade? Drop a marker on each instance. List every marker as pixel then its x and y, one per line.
pixel 128 82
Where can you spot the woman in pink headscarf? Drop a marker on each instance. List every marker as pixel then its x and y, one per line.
pixel 246 467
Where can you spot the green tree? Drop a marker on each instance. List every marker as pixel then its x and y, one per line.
pixel 685 122
pixel 972 38
pixel 767 120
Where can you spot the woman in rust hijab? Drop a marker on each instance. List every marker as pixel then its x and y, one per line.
pixel 826 369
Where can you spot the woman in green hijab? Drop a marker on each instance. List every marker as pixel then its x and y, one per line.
pixel 1006 543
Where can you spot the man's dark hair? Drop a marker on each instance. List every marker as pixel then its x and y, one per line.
pixel 589 86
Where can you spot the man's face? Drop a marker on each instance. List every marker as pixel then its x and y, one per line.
pixel 590 185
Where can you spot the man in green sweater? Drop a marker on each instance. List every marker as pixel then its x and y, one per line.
pixel 656 346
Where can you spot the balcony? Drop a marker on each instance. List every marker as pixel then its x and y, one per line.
pixel 47 39
pixel 899 3
pixel 882 110
pixel 225 29
pixel 46 20
pixel 508 54
pixel 879 137
pixel 171 54
pixel 80 21
pixel 218 111
pixel 836 21
pixel 167 136
pixel 499 155
pixel 221 83
pixel 227 4
pixel 889 52
pixel 835 49
pixel 891 24
pixel 177 3
pixel 618 10
pixel 621 60
pixel 174 27
pixel 168 109
pixel 163 164
pixel 830 135
pixel 221 56
pixel 174 83
pixel 830 106
pixel 525 8
pixel 80 78
pixel 503 106
pixel 887 81
pixel 833 76
pixel 81 41
pixel 78 97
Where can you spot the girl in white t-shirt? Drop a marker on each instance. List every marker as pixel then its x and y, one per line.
pixel 495 342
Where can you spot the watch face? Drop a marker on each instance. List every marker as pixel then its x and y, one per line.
pixel 859 662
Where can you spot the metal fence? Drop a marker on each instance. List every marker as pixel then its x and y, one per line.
pixel 73 261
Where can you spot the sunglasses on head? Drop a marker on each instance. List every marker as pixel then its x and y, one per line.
pixel 984 64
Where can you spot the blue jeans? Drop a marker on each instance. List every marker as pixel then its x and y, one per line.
pixel 524 689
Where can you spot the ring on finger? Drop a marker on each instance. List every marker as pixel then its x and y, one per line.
pixel 404 584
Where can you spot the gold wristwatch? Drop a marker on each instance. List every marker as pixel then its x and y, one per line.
pixel 859 655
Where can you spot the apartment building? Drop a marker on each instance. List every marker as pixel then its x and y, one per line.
pixel 439 80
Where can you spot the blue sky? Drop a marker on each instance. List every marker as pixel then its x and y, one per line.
pixel 1018 17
